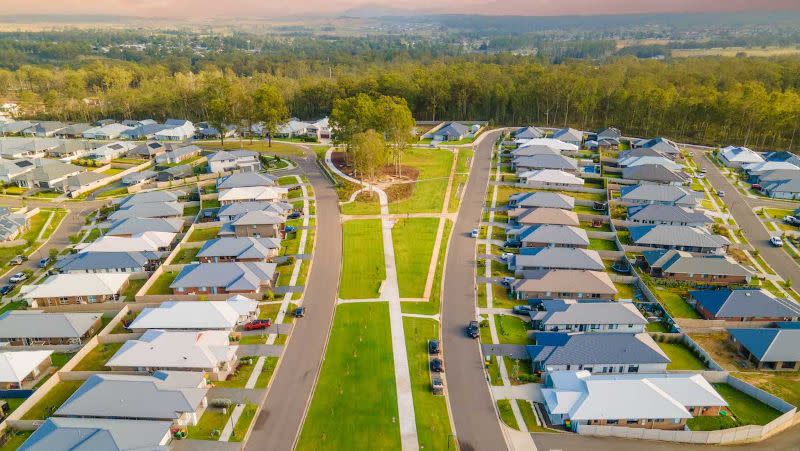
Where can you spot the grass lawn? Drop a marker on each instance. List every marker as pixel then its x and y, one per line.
pixel 96 359
pixel 203 234
pixel 266 372
pixel 673 299
pixel 432 306
pixel 708 423
pixel 494 371
pixel 253 339
pixel 657 326
pixel 506 414
pixel 239 377
pixel 52 400
pixel 428 192
pixel 598 244
pixel 511 330
pixel 134 285
pixel 682 357
pixel 185 255
pixel 16 440
pixel 362 263
pixel 413 246
pixel 13 305
pixel 113 192
pixel 243 423
pixel 745 408
pixel 355 403
pixel 210 425
pixel 191 210
pixel 526 409
pixel 365 204
pixel 625 290
pixel 463 160
pixel 785 385
pixel 13 403
pixel 211 203
pixel 433 425
pixel 500 298
pixel 161 285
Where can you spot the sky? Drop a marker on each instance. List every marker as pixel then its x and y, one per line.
pixel 283 8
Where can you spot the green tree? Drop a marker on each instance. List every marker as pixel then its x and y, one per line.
pixel 270 109
pixel 368 153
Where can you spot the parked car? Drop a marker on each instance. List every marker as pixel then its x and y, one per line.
pixel 792 220
pixel 507 256
pixel 473 330
pixel 776 241
pixel 437 386
pixel 18 260
pixel 290 229
pixel 700 176
pixel 756 186
pixel 299 312
pixel 258 324
pixel 434 347
pixel 703 170
pixel 473 233
pixel 721 193
pixel 18 277
pixel 521 309
pixel 437 366
pixel 295 215
pixel 5 289
pixel 44 262
pixel 507 281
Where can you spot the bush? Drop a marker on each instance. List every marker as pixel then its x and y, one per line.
pixel 220 403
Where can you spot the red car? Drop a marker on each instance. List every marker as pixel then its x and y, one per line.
pixel 258 324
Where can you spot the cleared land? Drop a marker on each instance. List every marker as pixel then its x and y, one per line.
pixel 413 246
pixel 362 263
pixel 428 191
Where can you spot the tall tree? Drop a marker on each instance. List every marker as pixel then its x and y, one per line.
pixel 394 120
pixel 270 109
pixel 368 153
pixel 220 106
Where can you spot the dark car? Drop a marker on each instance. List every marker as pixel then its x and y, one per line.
pixel 521 309
pixel 258 324
pixel 44 262
pixel 437 366
pixel 299 312
pixel 5 289
pixel 473 330
pixel 434 347
pixel 290 229
pixel 295 215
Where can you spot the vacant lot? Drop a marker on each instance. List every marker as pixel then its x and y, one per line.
pixel 783 385
pixel 413 246
pixel 363 267
pixel 355 403
pixel 428 191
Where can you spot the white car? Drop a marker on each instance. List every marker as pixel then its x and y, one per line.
pixel 474 233
pixel 776 241
pixel 700 176
pixel 18 277
pixel 507 256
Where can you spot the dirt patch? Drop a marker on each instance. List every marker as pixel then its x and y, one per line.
pixel 398 184
pixel 366 196
pixel 721 350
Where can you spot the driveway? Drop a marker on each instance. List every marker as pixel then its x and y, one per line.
pixel 476 422
pixel 279 423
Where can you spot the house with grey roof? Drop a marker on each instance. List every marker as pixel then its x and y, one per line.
pixel 743 305
pixel 107 131
pixel 533 258
pixel 72 130
pixel 178 397
pixel 111 262
pixel 643 194
pixel 547 199
pixel 537 149
pixel 682 238
pixel 569 135
pixel 768 348
pixel 234 160
pixel 528 133
pixel 135 225
pixel 641 152
pixel 44 129
pixel 136 178
pixel 150 197
pixel 224 278
pixel 256 224
pixel 149 150
pixel 239 249
pixel 547 235
pixel 597 353
pixel 11 224
pixel 544 161
pixel 560 315
pixel 451 131
pixel 661 145
pixel 190 315
pixel 178 154
pixel 99 434
pixel 245 180
pixel 48 174
pixel 684 267
pixel 657 214
pixel 563 284
pixel 83 180
pixel 35 327
pixel 543 215
pixel 148 210
pixel 15 127
pixel 655 173
pixel 230 212
pixel 787 188
pixel 175 173
pixel 11 169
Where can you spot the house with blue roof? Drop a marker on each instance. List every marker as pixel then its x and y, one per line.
pixel 743 305
pixel 99 434
pixel 768 348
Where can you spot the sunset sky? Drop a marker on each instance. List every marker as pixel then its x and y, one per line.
pixel 282 8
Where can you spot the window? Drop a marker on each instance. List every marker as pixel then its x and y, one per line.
pixel 632 422
pixel 633 368
pixel 612 421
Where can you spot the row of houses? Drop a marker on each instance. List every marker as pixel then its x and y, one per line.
pixel 775 174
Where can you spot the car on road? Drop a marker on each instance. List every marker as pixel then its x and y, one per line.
pixel 18 277
pixel 721 193
pixel 295 215
pixel 700 176
pixel 5 289
pixel 473 330
pixel 703 170
pixel 437 366
pixel 776 241
pixel 44 262
pixel 473 233
pixel 18 260
pixel 258 324
pixel 434 347
pixel 756 186
pixel 521 309
pixel 791 220
pixel 299 312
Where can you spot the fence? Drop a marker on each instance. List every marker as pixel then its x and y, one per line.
pixel 110 179
pixel 682 338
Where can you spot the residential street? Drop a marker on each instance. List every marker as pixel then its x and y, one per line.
pixel 278 425
pixel 476 422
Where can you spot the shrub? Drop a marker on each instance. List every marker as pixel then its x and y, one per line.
pixel 220 403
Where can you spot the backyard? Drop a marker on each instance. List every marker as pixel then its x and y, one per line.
pixel 96 359
pixel 682 358
pixel 413 246
pixel 745 408
pixel 52 400
pixel 162 283
pixel 362 261
pixel 203 234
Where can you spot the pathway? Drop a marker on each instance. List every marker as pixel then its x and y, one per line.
pixel 437 244
pixel 251 381
pixel 225 435
pixel 391 292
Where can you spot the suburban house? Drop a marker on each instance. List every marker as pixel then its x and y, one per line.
pixel 175 130
pixel 72 131
pixel 19 369
pixel 743 305
pixel 175 396
pixel 77 288
pixel 544 161
pixel 769 348
pixel 148 150
pixel 655 173
pixel 757 169
pixel 648 401
pixel 150 197
pixel 563 284
pixel 533 258
pixel 549 178
pixel 148 210
pixel 48 174
pixel 569 136
pixel 11 224
pixel 93 433
pixel 528 133
pixel 549 142
pixel 110 151
pixel 252 193
pixel 561 315
pixel 175 173
pixel 15 127
pixel 320 129
pixel 143 129
pixel 207 131
pixel 545 199
pixel 11 169
pixel 36 327
pixel 177 154
pixel 228 213
pixel 292 129
pixel 530 151
pixel 256 224
pixel 684 267
pixel 81 181
pixel 209 351
pixel 451 131
pixel 44 129
pixel 597 353
pixel 234 160
pixel 542 215
pixel 661 145
pixel 136 178
pixel 546 235
pixel 107 262
pixel 222 278
pixel 642 152
pixel 644 194
pixel 236 249
pixel 17 148
pixel 106 132
pixel 633 161
pixel 735 157
pixel 133 226
pixel 788 188
pixel 682 238
pixel 190 315
pixel 155 242
pixel 245 180
pixel 675 215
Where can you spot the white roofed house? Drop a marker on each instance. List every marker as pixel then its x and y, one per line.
pixel 234 160
pixel 224 278
pixel 109 131
pixel 735 157
pixel 36 327
pixel 559 144
pixel 175 155
pixel 108 152
pixel 561 315
pixel 293 128
pixel 139 242
pixel 20 369
pixel 190 315
pixel 252 193
pixel 178 130
pixel 78 288
pixel 569 135
pixel 549 178
pixel 559 162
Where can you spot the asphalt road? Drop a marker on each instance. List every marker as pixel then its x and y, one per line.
pixel 476 422
pixel 741 207
pixel 278 425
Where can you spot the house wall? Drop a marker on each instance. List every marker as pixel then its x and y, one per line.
pixel 707 278
pixel 52 301
pixel 587 327
pixel 523 295
pixel 546 244
pixel 258 231
pixel 662 424
pixel 25 341
pixel 597 368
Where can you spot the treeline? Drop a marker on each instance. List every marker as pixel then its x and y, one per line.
pixel 706 100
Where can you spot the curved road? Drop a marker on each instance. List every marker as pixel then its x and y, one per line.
pixel 281 418
pixel 476 422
